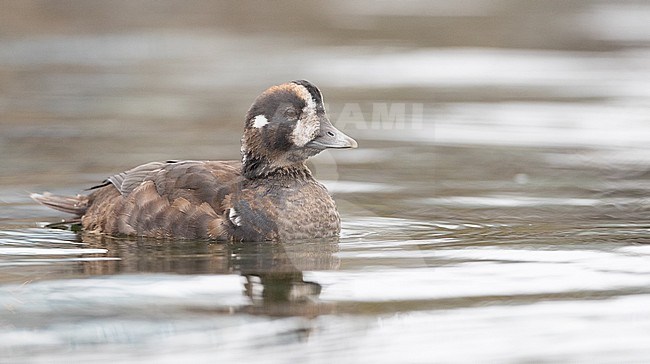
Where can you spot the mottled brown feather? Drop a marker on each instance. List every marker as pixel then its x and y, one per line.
pixel 176 200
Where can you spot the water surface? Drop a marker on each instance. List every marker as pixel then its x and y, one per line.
pixel 500 214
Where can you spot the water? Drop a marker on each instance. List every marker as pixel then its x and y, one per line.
pixel 496 210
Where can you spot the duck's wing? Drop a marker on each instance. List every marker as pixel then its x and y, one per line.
pixel 194 180
pixel 127 181
pixel 182 199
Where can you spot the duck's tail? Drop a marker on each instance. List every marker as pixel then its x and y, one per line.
pixel 76 205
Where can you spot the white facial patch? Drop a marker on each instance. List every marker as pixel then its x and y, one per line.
pixel 259 121
pixel 308 125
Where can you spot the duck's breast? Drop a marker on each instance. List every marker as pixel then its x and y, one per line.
pixel 287 212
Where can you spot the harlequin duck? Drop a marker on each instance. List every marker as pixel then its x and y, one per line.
pixel 269 195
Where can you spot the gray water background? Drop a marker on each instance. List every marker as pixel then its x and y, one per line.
pixel 500 213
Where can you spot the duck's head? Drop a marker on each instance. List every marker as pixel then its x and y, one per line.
pixel 286 125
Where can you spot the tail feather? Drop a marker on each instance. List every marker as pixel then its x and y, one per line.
pixel 76 205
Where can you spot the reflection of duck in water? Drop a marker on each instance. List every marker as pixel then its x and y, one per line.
pixel 269 195
pixel 272 272
pixel 274 276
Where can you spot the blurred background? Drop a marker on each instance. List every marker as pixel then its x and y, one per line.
pixel 499 194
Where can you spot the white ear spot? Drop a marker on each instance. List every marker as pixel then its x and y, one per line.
pixel 259 121
pixel 234 216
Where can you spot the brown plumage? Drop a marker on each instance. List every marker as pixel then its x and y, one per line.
pixel 269 195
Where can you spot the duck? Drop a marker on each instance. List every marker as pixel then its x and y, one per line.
pixel 268 195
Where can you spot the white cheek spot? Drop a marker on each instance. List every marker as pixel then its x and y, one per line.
pixel 259 121
pixel 234 216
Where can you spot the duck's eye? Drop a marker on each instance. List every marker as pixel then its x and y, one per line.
pixel 291 113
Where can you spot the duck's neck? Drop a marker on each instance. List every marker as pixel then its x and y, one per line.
pixel 259 167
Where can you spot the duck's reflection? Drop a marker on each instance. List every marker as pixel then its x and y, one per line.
pixel 274 278
pixel 273 271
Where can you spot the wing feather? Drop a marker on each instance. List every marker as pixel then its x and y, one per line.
pixel 182 199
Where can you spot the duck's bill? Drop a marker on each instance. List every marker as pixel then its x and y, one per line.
pixel 331 137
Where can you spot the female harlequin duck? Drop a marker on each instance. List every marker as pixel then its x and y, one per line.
pixel 269 195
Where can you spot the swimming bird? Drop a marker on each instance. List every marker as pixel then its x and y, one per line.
pixel 269 194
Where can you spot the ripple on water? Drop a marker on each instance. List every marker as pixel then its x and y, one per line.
pixel 44 247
